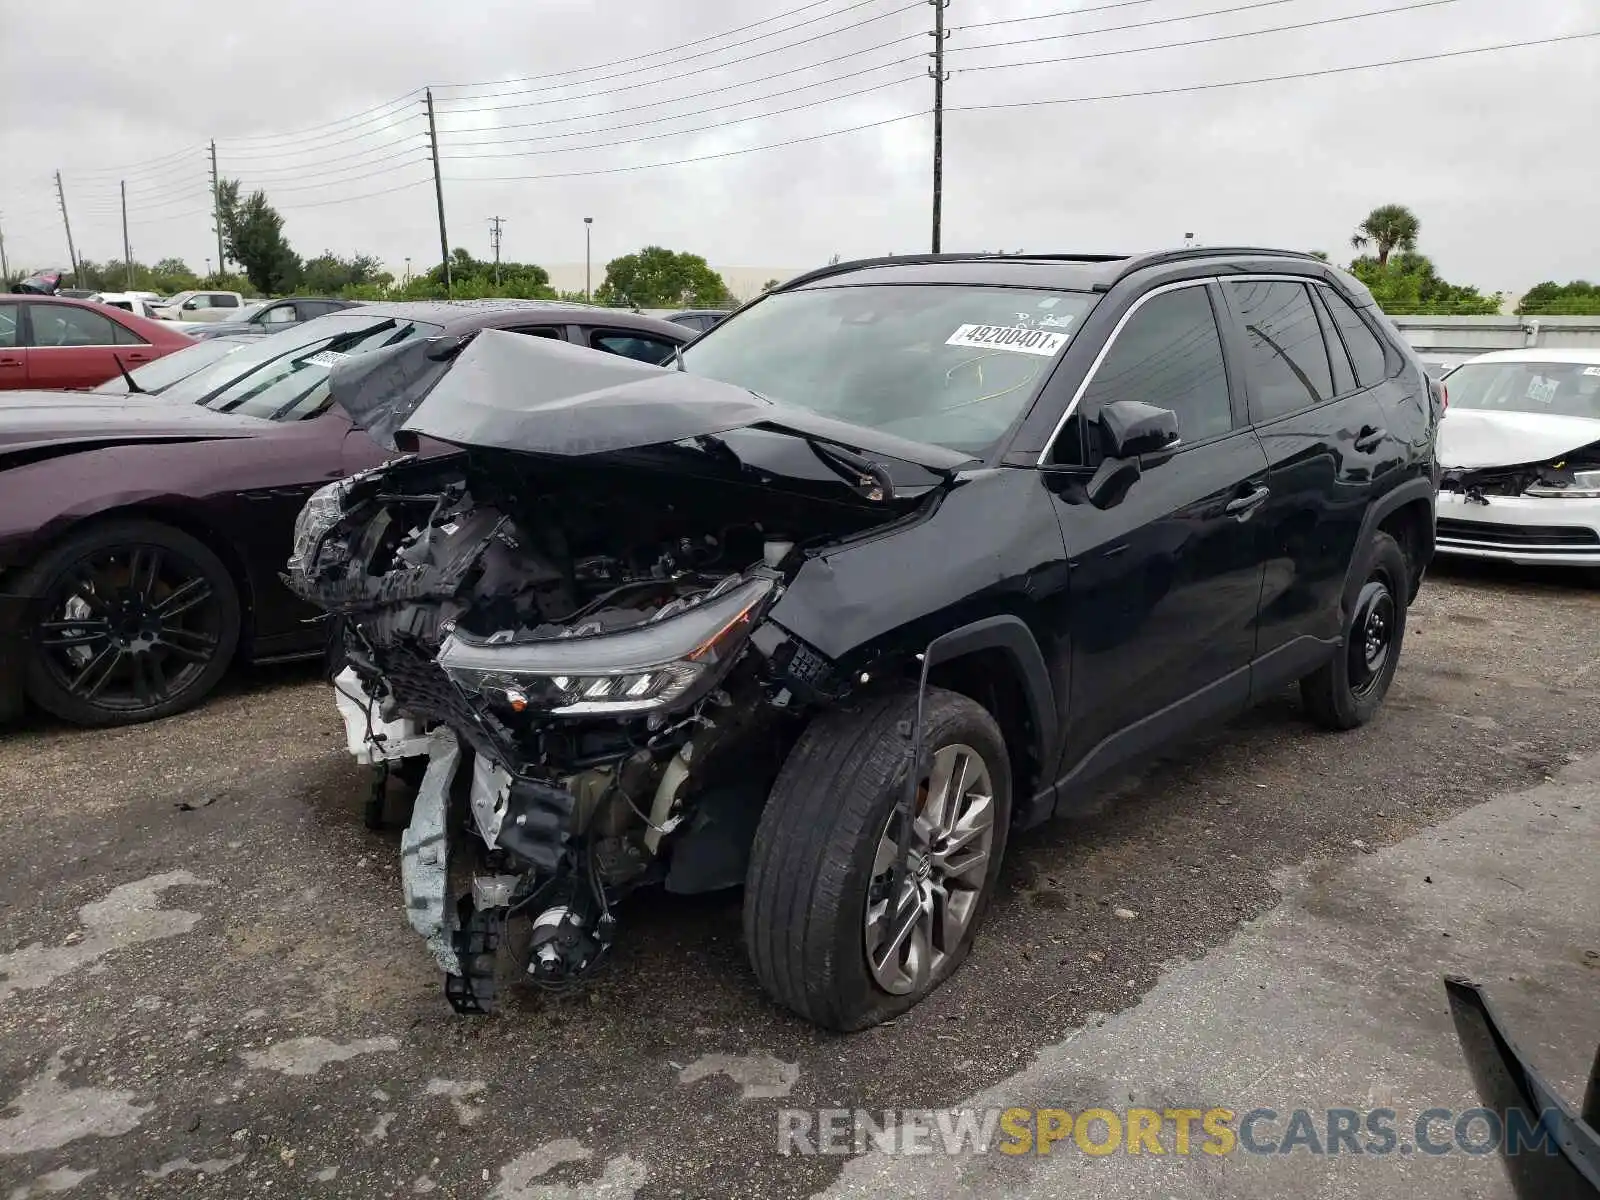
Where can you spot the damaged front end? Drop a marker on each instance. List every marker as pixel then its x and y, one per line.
pixel 581 644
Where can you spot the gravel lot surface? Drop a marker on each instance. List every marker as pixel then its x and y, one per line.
pixel 207 985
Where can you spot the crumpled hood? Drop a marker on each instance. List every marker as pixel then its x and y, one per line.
pixel 508 391
pixel 1471 438
pixel 29 420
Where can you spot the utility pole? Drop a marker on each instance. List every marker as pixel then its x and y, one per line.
pixel 72 253
pixel 5 268
pixel 494 240
pixel 127 250
pixel 216 206
pixel 938 73
pixel 438 191
pixel 588 224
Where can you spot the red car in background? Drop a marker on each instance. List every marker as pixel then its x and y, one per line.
pixel 54 342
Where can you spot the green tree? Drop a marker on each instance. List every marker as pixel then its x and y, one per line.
pixel 769 285
pixel 1322 254
pixel 659 278
pixel 329 275
pixel 1389 227
pixel 1409 285
pixel 252 236
pixel 1580 298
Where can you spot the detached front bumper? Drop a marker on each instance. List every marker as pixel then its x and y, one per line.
pixel 1528 530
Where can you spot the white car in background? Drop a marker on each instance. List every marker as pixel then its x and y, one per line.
pixel 1520 449
pixel 201 306
pixel 133 302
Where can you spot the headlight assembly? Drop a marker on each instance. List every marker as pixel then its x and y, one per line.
pixel 320 514
pixel 1585 486
pixel 666 663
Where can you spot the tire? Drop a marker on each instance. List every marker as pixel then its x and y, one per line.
pixel 1347 691
pixel 820 848
pixel 152 609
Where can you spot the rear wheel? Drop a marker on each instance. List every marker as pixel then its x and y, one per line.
pixel 826 937
pixel 131 621
pixel 1350 687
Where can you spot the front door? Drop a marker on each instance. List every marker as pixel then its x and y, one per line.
pixel 1164 584
pixel 1324 438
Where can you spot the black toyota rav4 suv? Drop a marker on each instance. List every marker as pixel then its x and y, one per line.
pixel 890 566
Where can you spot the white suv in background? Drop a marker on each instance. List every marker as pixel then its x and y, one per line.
pixel 201 306
pixel 1520 451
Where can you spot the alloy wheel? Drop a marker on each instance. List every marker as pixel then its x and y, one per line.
pixel 128 627
pixel 952 837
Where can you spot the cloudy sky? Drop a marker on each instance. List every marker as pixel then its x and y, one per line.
pixel 553 110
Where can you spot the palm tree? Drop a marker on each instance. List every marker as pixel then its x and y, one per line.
pixel 1390 227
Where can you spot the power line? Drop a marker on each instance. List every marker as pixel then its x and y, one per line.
pixel 651 137
pixel 1233 83
pixel 1206 41
pixel 727 87
pixel 696 113
pixel 669 49
pixel 301 187
pixel 1056 37
pixel 1202 87
pixel 413 94
pixel 682 74
pixel 298 173
pixel 318 148
pixel 816 137
pixel 1070 12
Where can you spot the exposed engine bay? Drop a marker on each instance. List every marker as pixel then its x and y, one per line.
pixel 582 652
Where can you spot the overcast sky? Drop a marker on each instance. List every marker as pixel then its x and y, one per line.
pixel 1495 152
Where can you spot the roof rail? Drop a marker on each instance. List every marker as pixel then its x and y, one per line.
pixel 1138 262
pixel 917 260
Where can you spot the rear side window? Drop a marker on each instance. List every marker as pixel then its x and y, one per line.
pixel 224 302
pixel 125 336
pixel 1169 355
pixel 1366 352
pixel 10 324
pixel 1285 356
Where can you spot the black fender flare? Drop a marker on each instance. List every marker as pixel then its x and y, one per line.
pixel 1011 636
pixel 1416 488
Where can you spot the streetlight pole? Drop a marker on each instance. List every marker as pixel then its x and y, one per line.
pixel 588 224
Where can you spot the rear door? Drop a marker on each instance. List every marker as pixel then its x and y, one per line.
pixel 76 347
pixel 1164 584
pixel 1325 441
pixel 13 346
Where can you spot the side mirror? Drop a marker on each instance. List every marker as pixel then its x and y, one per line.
pixel 1130 429
pixel 190 305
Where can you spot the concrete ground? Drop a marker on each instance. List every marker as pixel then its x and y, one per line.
pixel 207 986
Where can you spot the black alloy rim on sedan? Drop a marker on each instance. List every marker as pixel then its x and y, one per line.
pixel 129 627
pixel 1371 635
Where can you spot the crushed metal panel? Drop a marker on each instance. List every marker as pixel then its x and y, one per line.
pixel 370 739
pixel 425 853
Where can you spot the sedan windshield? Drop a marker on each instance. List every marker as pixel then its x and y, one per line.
pixel 1555 389
pixel 950 365
pixel 285 377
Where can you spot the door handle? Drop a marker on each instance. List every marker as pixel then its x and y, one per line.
pixel 1243 506
pixel 1369 437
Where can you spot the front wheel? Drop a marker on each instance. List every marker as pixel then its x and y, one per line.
pixel 1347 690
pixel 132 620
pixel 824 934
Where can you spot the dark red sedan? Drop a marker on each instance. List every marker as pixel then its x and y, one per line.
pixel 54 342
pixel 143 536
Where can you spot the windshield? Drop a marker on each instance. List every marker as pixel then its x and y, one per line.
pixel 285 377
pixel 945 364
pixel 160 375
pixel 178 299
pixel 1555 389
pixel 248 313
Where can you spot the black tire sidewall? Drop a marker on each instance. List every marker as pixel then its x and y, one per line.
pixel 855 1000
pixel 1383 555
pixel 46 691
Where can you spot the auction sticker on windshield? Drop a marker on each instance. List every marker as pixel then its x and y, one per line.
pixel 1017 338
